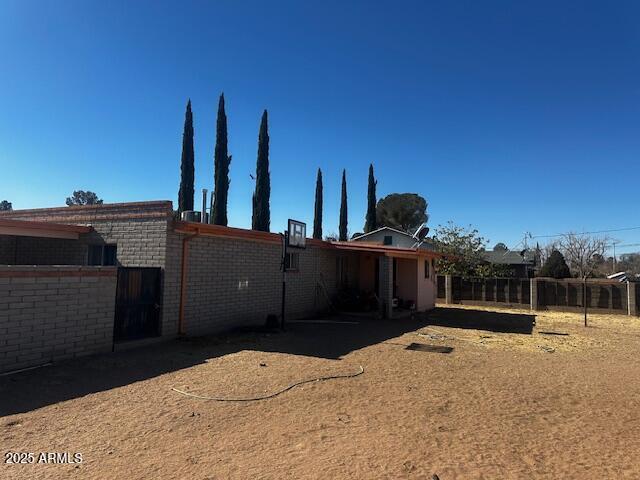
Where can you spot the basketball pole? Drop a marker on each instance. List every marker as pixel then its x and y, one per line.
pixel 285 239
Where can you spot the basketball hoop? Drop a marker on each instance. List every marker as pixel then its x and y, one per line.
pixel 297 237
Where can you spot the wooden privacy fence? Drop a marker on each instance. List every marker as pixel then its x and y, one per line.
pixel 541 293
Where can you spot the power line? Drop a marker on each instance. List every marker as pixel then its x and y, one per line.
pixel 587 233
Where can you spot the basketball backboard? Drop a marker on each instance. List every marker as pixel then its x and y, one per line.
pixel 297 234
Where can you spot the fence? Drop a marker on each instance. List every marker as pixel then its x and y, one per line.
pixel 49 313
pixel 541 294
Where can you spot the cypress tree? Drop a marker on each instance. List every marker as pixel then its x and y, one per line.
pixel 317 217
pixel 342 229
pixel 370 223
pixel 221 162
pixel 187 169
pixel 261 214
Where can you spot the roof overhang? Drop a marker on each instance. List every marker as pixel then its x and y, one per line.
pixel 387 251
pixel 26 228
pixel 206 229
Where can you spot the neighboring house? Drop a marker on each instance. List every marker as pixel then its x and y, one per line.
pixel 392 237
pixel 521 264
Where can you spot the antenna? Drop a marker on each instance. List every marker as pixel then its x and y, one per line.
pixel 420 235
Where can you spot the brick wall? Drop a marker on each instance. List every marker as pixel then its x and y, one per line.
pixel 140 230
pixel 53 313
pixel 233 282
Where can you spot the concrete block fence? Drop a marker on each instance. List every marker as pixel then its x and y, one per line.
pixel 541 294
pixel 50 313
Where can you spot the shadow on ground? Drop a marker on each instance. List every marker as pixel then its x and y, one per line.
pixel 498 322
pixel 26 391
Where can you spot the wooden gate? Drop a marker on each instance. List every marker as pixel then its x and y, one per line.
pixel 138 304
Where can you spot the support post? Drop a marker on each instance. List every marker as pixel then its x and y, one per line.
pixel 284 277
pixel 448 289
pixel 631 298
pixel 386 286
pixel 533 293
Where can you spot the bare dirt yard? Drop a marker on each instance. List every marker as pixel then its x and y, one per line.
pixel 512 400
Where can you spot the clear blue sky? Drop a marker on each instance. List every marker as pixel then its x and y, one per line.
pixel 511 116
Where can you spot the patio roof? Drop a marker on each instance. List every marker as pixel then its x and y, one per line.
pixel 386 250
pixel 27 228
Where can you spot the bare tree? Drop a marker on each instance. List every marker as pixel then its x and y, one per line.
pixel 583 253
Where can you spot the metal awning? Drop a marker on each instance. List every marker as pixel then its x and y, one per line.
pixel 27 228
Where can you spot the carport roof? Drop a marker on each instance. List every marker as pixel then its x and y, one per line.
pixel 28 228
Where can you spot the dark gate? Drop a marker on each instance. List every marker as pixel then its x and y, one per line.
pixel 137 304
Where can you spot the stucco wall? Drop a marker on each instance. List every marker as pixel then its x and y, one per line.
pixel 406 274
pixel 426 286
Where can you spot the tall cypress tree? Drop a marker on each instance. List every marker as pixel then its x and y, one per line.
pixel 261 214
pixel 221 162
pixel 342 229
pixel 187 169
pixel 317 217
pixel 370 223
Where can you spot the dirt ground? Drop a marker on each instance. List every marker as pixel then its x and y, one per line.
pixel 509 402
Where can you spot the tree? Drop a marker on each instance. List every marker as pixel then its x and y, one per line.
pixel 80 197
pixel 555 266
pixel 221 162
pixel 500 247
pixel 6 206
pixel 317 210
pixel 583 254
pixel 403 211
pixel 464 249
pixel 370 223
pixel 261 215
pixel 342 228
pixel 187 169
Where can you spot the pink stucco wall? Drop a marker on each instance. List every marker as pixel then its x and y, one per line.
pixel 426 287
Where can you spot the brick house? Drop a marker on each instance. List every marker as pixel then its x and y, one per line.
pixel 81 280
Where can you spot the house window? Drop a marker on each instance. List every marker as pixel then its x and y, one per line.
pixel 388 240
pixel 292 261
pixel 427 272
pixel 102 255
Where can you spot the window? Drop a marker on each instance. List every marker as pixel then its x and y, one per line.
pixel 102 255
pixel 427 272
pixel 292 261
pixel 388 240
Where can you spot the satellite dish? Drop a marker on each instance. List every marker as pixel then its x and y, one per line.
pixel 421 232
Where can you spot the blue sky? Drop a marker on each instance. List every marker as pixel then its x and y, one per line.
pixel 511 116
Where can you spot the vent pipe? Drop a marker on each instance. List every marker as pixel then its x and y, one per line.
pixel 203 217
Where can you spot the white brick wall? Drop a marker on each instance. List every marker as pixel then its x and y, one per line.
pixel 53 313
pixel 233 282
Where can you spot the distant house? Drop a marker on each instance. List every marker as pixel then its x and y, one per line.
pixel 394 238
pixel 521 263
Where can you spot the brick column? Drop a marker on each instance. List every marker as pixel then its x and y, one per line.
pixel 533 293
pixel 631 298
pixel 448 289
pixel 386 286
